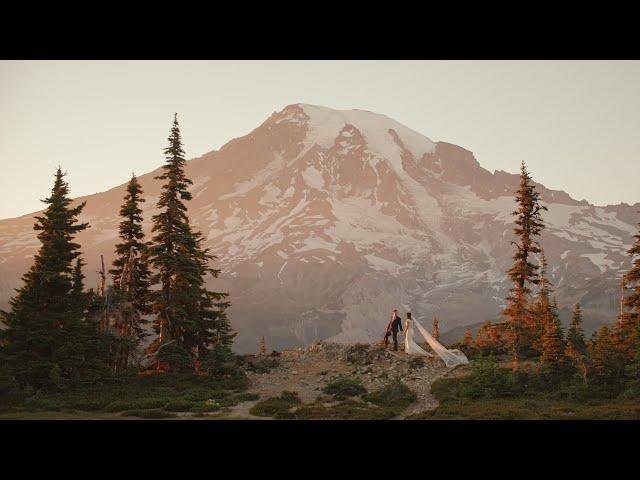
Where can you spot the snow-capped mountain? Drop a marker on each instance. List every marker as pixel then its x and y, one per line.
pixel 324 220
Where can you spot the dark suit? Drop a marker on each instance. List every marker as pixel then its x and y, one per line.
pixel 392 330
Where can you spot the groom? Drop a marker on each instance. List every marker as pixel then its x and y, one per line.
pixel 392 329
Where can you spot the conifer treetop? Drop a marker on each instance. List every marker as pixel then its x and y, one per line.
pixel 632 279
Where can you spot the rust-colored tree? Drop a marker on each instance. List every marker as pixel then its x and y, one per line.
pixel 541 308
pixel 468 338
pixel 552 356
pixel 524 272
pixel 627 323
pixel 576 351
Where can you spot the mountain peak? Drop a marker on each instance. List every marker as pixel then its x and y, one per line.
pixel 325 124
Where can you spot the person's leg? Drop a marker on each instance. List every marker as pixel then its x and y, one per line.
pixel 395 341
pixel 386 339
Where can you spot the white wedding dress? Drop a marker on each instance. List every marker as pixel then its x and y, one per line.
pixel 410 346
pixel 451 358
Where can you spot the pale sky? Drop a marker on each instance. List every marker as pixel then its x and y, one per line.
pixel 575 123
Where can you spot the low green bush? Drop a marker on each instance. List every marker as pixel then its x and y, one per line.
pixel 245 397
pixel 137 404
pixel 148 414
pixel 204 407
pixel 88 405
pixel 343 386
pixel 261 363
pixel 179 406
pixel 277 407
pixel 395 396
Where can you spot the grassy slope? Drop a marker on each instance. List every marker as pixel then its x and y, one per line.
pixel 155 396
pixel 531 407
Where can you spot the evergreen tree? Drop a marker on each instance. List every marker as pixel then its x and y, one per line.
pixel 552 357
pixel 435 330
pixel 79 298
pixel 262 346
pixel 131 279
pixel 189 316
pixel 85 349
pixel 468 338
pixel 605 362
pixel 541 308
pixel 576 351
pixel 629 319
pixel 524 273
pixel 130 272
pixel 632 279
pixel 45 339
pixel 632 370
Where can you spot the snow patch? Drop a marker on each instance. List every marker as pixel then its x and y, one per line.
pixel 599 260
pixel 325 124
pixel 313 177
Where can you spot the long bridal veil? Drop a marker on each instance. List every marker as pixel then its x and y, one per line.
pixel 411 347
pixel 451 358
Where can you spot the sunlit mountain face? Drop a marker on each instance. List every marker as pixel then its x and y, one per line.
pixel 324 220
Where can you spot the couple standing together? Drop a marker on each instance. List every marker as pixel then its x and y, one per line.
pixel 451 357
pixel 395 325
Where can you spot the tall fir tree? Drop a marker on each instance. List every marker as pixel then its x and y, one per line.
pixel 628 320
pixel 85 348
pixel 552 356
pixel 47 340
pixel 632 279
pixel 541 308
pixel 576 350
pixel 190 319
pixel 523 273
pixel 606 366
pixel 131 274
pixel 131 279
pixel 632 371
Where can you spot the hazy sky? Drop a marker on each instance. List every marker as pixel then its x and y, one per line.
pixel 576 124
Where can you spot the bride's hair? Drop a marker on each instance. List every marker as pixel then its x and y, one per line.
pixel 409 315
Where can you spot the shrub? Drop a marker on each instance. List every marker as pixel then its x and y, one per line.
pixel 262 364
pixel 359 354
pixel 88 405
pixel 203 407
pixel 395 396
pixel 179 406
pixel 416 363
pixel 175 356
pixel 246 397
pixel 219 361
pixel 277 407
pixel 343 386
pixel 487 380
pixel 148 414
pixel 137 404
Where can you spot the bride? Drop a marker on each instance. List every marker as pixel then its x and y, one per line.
pixel 411 347
pixel 451 358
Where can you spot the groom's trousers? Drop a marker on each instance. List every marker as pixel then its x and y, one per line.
pixel 394 334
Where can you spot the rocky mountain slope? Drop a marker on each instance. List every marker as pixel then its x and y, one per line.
pixel 323 220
